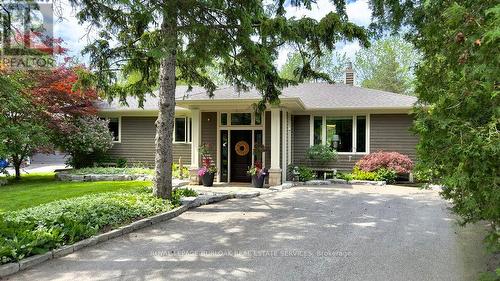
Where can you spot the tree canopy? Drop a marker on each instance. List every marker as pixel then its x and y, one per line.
pixel 332 64
pixel 388 65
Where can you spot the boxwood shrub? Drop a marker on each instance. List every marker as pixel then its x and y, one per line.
pixel 42 228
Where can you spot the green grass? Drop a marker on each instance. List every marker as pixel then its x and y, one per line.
pixel 36 189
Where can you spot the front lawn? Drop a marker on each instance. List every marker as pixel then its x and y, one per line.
pixel 41 188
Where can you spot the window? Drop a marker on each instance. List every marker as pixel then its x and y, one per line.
pixel 318 129
pixel 182 129
pixel 114 128
pixel 361 134
pixel 344 134
pixel 241 119
pixel 339 133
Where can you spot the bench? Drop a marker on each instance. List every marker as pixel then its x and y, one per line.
pixel 325 171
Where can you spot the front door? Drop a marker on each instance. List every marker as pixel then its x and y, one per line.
pixel 241 155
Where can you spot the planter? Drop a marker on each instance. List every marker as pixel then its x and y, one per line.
pixel 258 182
pixel 208 179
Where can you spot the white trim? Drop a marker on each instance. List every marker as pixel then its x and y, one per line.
pixel 354 119
pixel 218 151
pixel 275 138
pixel 186 130
pixel 283 135
pixel 368 126
pixel 196 137
pixel 289 138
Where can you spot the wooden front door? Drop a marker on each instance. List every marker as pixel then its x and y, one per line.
pixel 241 155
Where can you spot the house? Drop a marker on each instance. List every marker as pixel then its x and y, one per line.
pixel 354 120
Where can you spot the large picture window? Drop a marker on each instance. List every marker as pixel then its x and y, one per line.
pixel 344 134
pixel 182 129
pixel 339 133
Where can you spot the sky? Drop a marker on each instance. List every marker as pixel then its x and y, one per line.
pixel 77 36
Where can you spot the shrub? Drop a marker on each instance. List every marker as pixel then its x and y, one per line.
pixel 304 173
pixel 358 174
pixel 387 175
pixel 182 192
pixel 121 162
pixel 345 176
pixel 390 160
pixel 87 141
pixel 321 153
pixel 42 228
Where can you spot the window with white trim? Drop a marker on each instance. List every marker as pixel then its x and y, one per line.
pixel 241 119
pixel 114 128
pixel 182 129
pixel 344 134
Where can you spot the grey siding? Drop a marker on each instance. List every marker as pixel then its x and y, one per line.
pixel 300 138
pixel 390 132
pixel 138 142
pixel 209 132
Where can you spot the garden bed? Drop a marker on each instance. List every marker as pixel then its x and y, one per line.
pixel 45 230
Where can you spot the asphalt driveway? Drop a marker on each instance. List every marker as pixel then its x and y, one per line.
pixel 305 233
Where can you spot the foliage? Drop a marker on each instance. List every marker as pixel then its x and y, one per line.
pixel 121 162
pixel 58 92
pixel 111 171
pixel 358 174
pixel 387 65
pixel 458 119
pixel 179 173
pixel 22 130
pixel 39 188
pixel 210 169
pixel 156 43
pixel 40 229
pixel 345 176
pixel 396 161
pixel 304 173
pixel 88 140
pixel 206 159
pixel 388 175
pixel 257 170
pixel 332 64
pixel 178 193
pixel 321 153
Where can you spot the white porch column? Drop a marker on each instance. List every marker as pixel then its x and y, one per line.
pixel 284 143
pixel 195 144
pixel 275 171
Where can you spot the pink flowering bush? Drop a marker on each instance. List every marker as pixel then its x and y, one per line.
pixel 395 161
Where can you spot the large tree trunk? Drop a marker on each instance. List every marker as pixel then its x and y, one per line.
pixel 16 162
pixel 165 123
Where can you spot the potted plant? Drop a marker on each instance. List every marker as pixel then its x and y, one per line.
pixel 208 170
pixel 258 174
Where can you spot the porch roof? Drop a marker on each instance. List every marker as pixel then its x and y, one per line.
pixel 306 96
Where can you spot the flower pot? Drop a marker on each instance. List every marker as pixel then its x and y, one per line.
pixel 257 181
pixel 208 179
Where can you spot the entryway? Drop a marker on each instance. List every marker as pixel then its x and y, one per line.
pixel 241 155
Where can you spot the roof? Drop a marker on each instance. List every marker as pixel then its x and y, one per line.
pixel 313 96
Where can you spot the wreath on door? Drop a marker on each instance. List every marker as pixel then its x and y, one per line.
pixel 242 148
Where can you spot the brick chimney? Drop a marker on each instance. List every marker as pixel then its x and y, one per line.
pixel 349 74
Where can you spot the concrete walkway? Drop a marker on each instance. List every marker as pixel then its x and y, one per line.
pixel 304 233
